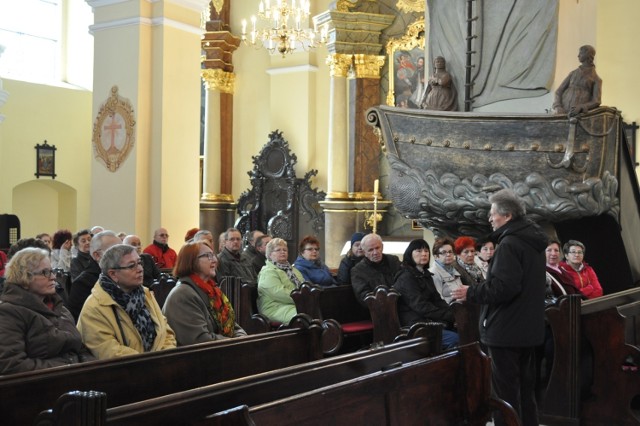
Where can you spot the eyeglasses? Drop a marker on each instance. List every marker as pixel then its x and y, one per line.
pixel 312 249
pixel 445 252
pixel 576 253
pixel 45 273
pixel 130 266
pixel 163 235
pixel 209 256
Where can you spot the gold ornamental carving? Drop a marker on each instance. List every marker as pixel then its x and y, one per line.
pixel 346 5
pixel 217 79
pixel 411 5
pixel 368 66
pixel 218 5
pixel 339 64
pixel 113 131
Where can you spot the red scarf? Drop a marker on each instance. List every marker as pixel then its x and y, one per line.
pixel 221 310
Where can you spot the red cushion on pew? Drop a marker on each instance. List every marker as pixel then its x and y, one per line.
pixel 357 327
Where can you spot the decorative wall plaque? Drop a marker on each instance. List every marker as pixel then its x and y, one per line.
pixel 113 130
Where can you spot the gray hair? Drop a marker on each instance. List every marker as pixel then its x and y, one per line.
pixel 201 233
pixel 370 238
pixel 97 243
pixel 113 255
pixel 230 230
pixel 273 244
pixel 573 243
pixel 25 261
pixel 507 202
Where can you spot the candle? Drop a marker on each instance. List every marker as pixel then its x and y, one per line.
pixel 244 26
pixel 375 186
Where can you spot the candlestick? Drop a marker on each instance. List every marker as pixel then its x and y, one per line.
pixel 375 186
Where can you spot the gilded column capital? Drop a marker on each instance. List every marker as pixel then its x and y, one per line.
pixel 368 66
pixel 339 64
pixel 217 79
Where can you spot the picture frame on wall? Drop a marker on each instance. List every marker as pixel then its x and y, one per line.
pixel 45 160
pixel 407 67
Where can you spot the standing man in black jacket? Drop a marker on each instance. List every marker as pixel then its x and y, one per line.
pixel 512 316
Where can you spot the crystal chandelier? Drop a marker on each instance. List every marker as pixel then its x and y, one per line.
pixel 285 32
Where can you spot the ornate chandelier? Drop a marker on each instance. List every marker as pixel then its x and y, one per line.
pixel 285 32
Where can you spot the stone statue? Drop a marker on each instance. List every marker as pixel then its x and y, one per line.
pixel 582 89
pixel 441 94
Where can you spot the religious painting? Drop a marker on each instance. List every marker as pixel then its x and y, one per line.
pixel 113 131
pixel 45 160
pixel 407 71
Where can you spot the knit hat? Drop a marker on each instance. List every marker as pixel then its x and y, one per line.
pixel 358 236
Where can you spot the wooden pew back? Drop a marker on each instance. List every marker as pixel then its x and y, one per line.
pixel 191 406
pixel 595 373
pixel 453 388
pixel 244 299
pixel 144 376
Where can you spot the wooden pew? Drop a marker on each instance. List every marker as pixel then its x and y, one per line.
pixel 244 299
pixel 595 377
pixel 195 404
pixel 467 320
pixel 450 389
pixel 337 305
pixel 144 376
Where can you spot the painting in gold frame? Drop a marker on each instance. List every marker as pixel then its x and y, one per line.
pixel 407 70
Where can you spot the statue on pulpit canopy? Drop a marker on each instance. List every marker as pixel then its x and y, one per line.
pixel 441 93
pixel 581 91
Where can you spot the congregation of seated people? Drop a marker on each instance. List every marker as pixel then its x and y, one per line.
pixel 108 310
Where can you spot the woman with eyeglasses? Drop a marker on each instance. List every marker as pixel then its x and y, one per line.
pixel 470 273
pixel 121 316
pixel 277 279
pixel 583 276
pixel 419 300
pixel 36 330
pixel 197 310
pixel 310 265
pixel 445 276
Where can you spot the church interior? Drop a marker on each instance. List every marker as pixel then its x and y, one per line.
pixel 170 114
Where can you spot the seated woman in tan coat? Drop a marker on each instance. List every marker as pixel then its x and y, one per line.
pixel 197 309
pixel 121 316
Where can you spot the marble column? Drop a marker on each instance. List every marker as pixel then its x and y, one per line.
pixel 217 207
pixel 354 44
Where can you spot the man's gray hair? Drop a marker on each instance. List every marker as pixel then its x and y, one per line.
pixel 97 243
pixel 201 233
pixel 370 238
pixel 113 255
pixel 507 202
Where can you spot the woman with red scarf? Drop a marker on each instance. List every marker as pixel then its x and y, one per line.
pixel 197 309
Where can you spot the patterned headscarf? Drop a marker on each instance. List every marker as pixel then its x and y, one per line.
pixel 220 310
pixel 134 305
pixel 288 269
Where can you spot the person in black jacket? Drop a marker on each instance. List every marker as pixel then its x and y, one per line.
pixel 353 256
pixel 375 269
pixel 419 299
pixel 512 299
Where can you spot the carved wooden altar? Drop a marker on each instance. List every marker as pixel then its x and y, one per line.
pixel 279 202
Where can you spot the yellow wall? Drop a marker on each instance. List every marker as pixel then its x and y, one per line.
pixel 62 116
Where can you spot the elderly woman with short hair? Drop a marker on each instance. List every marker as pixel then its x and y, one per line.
pixel 121 316
pixel 445 276
pixel 197 310
pixel 36 330
pixel 583 276
pixel 310 265
pixel 277 279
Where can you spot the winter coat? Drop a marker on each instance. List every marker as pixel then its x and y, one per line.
pixel 419 299
pixel 187 310
pixel 81 287
pixel 34 336
pixel 585 280
pixel 344 270
pixel 274 293
pixel 235 266
pixel 102 335
pixel 314 272
pixel 513 294
pixel 367 275
pixel 164 259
